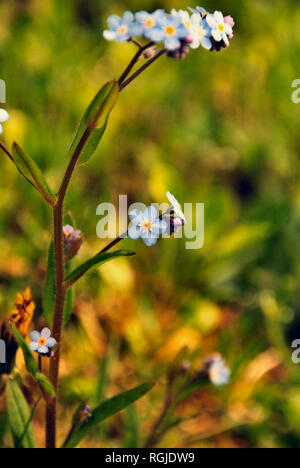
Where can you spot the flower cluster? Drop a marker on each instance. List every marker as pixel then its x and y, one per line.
pixel 178 31
pixel 148 225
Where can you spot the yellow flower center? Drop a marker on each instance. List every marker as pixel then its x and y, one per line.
pixel 42 341
pixel 149 23
pixel 123 30
pixel 147 225
pixel 221 27
pixel 170 30
pixel 188 24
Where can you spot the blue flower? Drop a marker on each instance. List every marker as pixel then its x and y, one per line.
pixel 42 342
pixel 220 30
pixel 120 28
pixel 218 372
pixel 149 25
pixel 173 31
pixel 146 225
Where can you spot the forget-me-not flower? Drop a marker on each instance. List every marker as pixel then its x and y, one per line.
pixel 146 225
pixel 220 30
pixel 149 25
pixel 120 28
pixel 4 116
pixel 218 372
pixel 174 32
pixel 42 342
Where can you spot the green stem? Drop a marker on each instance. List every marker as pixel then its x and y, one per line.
pixel 60 288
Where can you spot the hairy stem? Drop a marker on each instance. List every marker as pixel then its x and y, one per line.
pixel 60 288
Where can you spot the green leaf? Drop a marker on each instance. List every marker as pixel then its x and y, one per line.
pixel 31 365
pixel 45 384
pixel 131 428
pixel 99 259
pixel 70 295
pixel 18 416
pixel 50 288
pixel 96 117
pixel 107 409
pixel 29 169
pixel 28 424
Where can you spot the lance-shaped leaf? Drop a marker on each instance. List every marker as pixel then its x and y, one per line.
pixel 18 416
pixel 31 365
pixel 107 409
pixel 99 259
pixel 45 384
pixel 95 120
pixel 29 169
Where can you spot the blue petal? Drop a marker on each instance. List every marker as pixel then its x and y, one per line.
pixel 114 21
pixel 136 216
pixel 33 346
pixel 159 227
pixel 141 15
pixel 35 336
pixel 149 239
pixel 134 232
pixel 128 17
pixel 136 29
pixel 46 333
pixel 206 43
pixel 109 35
pixel 155 34
pixel 151 213
pixel 51 342
pixel 172 43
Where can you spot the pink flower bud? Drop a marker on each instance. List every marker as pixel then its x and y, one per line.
pixel 229 20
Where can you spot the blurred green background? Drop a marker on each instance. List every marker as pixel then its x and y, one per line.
pixel 217 128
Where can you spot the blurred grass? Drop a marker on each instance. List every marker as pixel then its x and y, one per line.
pixel 220 129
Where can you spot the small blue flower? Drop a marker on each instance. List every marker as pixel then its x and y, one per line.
pixel 173 31
pixel 146 225
pixel 220 30
pixel 42 342
pixel 120 28
pixel 218 372
pixel 149 25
